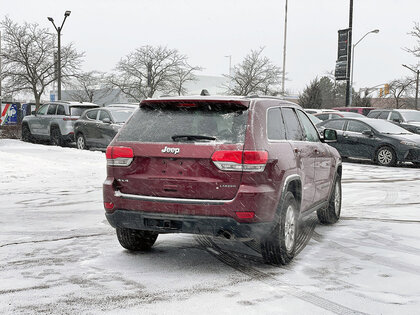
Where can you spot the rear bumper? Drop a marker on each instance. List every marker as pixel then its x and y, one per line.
pixel 262 200
pixel 167 223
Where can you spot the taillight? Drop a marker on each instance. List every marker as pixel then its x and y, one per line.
pixel 108 205
pixel 119 156
pixel 245 214
pixel 70 118
pixel 248 161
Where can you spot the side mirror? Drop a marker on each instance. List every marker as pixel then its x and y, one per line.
pixel 396 120
pixel 33 112
pixel 367 133
pixel 106 121
pixel 330 135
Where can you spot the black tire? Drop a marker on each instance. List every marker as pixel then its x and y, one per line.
pixel 136 240
pixel 26 134
pixel 385 156
pixel 55 137
pixel 331 213
pixel 416 164
pixel 278 248
pixel 81 142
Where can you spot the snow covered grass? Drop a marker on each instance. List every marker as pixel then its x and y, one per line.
pixel 58 255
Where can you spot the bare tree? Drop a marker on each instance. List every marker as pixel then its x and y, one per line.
pixel 149 69
pixel 415 32
pixel 28 58
pixel 88 87
pixel 400 89
pixel 256 74
pixel 181 76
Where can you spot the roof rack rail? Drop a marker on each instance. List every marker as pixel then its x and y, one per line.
pixel 265 96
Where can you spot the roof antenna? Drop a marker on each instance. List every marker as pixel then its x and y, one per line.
pixel 204 92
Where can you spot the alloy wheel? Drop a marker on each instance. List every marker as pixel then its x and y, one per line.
pixel 385 156
pixel 289 228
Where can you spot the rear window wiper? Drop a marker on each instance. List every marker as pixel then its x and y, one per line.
pixel 191 137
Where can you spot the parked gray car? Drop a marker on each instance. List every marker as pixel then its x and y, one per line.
pixel 54 122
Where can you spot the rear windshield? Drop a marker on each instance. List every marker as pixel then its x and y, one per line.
pixel 120 115
pixel 78 110
pixel 171 123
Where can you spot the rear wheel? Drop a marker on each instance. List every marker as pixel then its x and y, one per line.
pixel 136 240
pixel 26 134
pixel 331 213
pixel 55 137
pixel 278 248
pixel 385 156
pixel 81 142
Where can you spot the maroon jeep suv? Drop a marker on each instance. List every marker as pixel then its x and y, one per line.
pixel 236 167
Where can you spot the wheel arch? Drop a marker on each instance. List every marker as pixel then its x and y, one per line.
pixel 293 184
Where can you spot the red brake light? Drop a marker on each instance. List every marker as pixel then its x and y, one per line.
pixel 255 157
pixel 245 214
pixel 70 118
pixel 119 156
pixel 250 161
pixel 227 156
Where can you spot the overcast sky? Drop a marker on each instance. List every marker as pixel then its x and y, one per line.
pixel 207 31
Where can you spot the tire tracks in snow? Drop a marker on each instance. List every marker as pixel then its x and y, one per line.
pixel 380 260
pixel 236 261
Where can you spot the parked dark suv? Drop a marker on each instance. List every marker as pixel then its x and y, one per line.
pixel 235 167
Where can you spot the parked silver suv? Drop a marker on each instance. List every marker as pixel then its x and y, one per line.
pixel 54 122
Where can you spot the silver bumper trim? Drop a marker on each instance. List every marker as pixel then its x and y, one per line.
pixel 171 200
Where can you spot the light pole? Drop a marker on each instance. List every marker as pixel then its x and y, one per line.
pixel 283 77
pixel 352 64
pixel 417 72
pixel 58 29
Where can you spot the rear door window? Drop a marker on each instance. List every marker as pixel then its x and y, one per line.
pixel 335 124
pixel 187 122
pixel 103 114
pixel 275 125
pixel 51 109
pixel 61 110
pixel 293 129
pixel 383 115
pixel 357 126
pixel 92 114
pixel 395 117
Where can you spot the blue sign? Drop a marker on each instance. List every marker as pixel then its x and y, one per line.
pixel 52 97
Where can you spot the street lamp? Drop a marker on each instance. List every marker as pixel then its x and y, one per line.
pixel 417 72
pixel 352 63
pixel 58 29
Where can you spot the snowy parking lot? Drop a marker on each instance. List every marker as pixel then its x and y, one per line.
pixel 58 254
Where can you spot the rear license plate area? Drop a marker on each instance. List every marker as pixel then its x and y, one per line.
pixel 163 224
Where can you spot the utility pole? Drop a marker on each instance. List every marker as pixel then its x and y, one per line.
pixel 348 87
pixel 284 51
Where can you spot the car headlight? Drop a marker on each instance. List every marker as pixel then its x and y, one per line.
pixel 409 143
